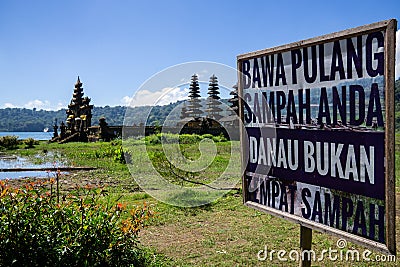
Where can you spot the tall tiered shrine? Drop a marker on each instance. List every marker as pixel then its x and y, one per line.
pixel 79 113
pixel 79 118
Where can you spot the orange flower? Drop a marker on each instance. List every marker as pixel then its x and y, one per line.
pixel 126 226
pixel 120 206
pixel 4 192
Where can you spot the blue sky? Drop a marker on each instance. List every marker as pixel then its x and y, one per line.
pixel 115 46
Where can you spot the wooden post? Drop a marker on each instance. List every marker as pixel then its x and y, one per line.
pixel 305 244
pixel 58 187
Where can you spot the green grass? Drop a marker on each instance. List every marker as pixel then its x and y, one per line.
pixel 227 233
pixel 223 233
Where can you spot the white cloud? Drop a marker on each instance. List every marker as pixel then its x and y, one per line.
pixel 203 75
pixel 8 105
pixel 60 106
pixel 171 95
pixel 38 104
pixel 126 100
pixel 397 55
pixel 163 97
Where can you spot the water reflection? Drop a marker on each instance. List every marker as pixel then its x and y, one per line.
pixel 39 161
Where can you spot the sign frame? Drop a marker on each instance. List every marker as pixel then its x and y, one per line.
pixel 389 27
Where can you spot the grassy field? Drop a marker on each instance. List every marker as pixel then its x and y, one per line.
pixel 223 233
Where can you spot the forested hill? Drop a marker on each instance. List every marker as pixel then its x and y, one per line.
pixel 25 120
pixel 28 120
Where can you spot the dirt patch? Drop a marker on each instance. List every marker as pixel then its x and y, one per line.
pixel 163 237
pixel 68 182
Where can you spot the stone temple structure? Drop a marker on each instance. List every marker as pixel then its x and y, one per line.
pixel 79 118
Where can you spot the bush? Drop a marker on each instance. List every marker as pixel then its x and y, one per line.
pixel 209 136
pixel 167 138
pixel 39 229
pixel 9 142
pixel 119 155
pixel 112 150
pixel 219 138
pixel 153 139
pixel 30 143
pixel 189 138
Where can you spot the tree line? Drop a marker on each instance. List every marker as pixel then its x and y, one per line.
pixel 33 120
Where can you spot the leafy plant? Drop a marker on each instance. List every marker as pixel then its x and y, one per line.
pixel 9 142
pixel 189 138
pixel 168 138
pixel 38 228
pixel 219 138
pixel 30 143
pixel 119 155
pixel 153 139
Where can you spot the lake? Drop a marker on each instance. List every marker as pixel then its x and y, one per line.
pixel 34 135
pixel 12 162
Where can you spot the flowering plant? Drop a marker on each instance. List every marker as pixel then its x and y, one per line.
pixel 40 228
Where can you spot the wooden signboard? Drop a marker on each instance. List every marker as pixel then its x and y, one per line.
pixel 318 141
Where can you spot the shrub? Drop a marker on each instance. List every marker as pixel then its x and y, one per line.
pixel 9 141
pixel 219 138
pixel 37 228
pixel 168 138
pixel 153 139
pixel 119 155
pixel 113 151
pixel 209 136
pixel 189 138
pixel 30 143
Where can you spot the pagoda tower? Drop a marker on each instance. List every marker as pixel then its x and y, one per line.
pixel 213 103
pixel 234 100
pixel 194 106
pixel 79 113
pixel 184 111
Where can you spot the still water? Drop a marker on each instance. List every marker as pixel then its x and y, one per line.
pixel 40 161
pixel 34 135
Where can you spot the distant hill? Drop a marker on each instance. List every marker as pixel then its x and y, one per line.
pixel 28 120
pixel 32 120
